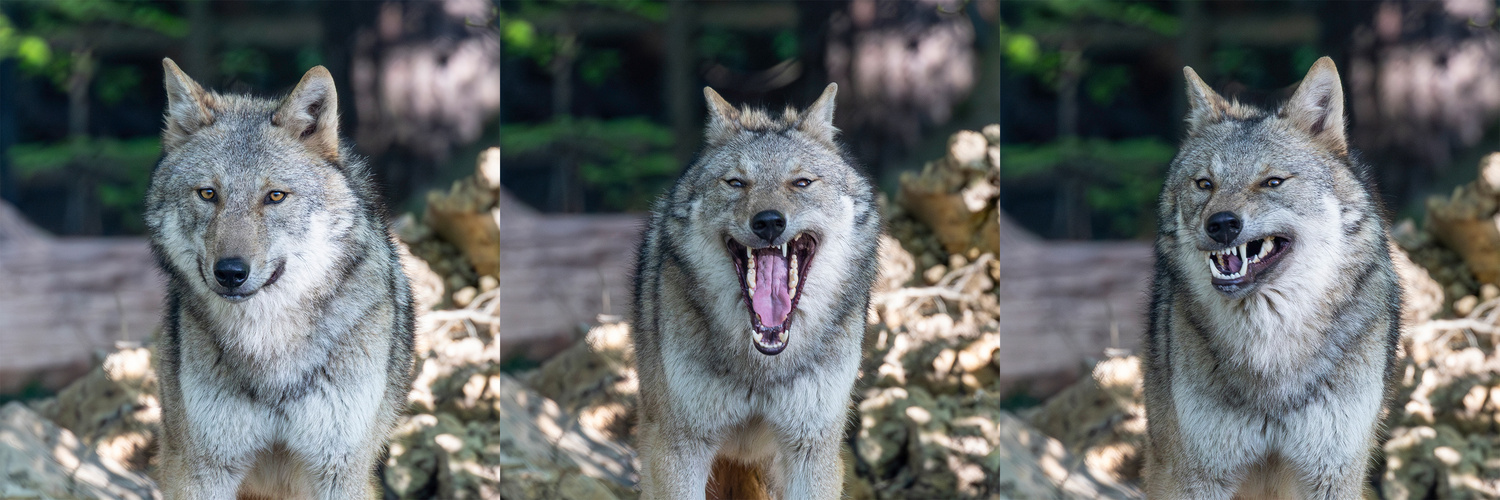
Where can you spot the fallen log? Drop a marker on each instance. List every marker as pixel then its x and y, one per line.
pixel 62 299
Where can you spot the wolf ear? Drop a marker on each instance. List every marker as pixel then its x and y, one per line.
pixel 189 107
pixel 723 118
pixel 311 113
pixel 1318 106
pixel 817 120
pixel 1205 107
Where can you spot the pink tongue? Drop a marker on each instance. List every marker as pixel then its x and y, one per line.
pixel 771 301
pixel 1232 263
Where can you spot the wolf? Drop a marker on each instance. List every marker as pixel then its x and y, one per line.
pixel 285 354
pixel 751 290
pixel 1275 310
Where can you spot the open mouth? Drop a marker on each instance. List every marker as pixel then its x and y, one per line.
pixel 239 296
pixel 1235 268
pixel 771 280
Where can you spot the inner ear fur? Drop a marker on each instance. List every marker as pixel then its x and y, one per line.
pixel 311 113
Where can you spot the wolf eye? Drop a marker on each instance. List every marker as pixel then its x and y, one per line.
pixel 274 197
pixel 802 183
pixel 735 183
pixel 1205 184
pixel 206 193
pixel 1272 182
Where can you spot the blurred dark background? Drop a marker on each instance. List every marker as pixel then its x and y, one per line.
pixel 1093 105
pixel 81 94
pixel 602 101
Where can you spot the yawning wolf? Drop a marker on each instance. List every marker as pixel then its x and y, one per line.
pixel 751 292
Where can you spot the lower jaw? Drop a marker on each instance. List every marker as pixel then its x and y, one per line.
pixel 778 342
pixel 235 297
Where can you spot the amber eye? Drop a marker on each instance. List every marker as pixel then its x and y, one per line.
pixel 1205 184
pixel 1272 182
pixel 275 197
pixel 735 183
pixel 802 183
pixel 206 193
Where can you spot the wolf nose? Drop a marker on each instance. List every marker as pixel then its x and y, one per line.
pixel 1223 227
pixel 768 224
pixel 231 272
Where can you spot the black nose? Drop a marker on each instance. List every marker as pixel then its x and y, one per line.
pixel 1223 227
pixel 768 224
pixel 231 272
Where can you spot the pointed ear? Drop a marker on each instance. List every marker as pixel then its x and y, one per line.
pixel 723 118
pixel 1318 106
pixel 817 121
pixel 1205 107
pixel 189 107
pixel 311 113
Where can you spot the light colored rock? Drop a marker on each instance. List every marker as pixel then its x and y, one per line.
pixel 1102 420
pixel 468 215
pixel 40 460
pixel 1030 465
pixel 957 196
pixel 114 408
pixel 546 454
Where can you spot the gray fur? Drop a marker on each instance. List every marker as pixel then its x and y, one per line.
pixel 292 391
pixel 706 392
pixel 1274 389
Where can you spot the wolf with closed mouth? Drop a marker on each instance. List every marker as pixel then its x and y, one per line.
pixel 1275 309
pixel 751 290
pixel 285 354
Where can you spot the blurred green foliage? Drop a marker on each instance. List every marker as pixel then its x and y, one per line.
pixel 626 161
pixel 119 168
pixel 52 32
pixel 1121 178
pixel 1051 19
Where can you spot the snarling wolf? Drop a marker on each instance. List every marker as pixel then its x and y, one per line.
pixel 751 291
pixel 1275 310
pixel 286 347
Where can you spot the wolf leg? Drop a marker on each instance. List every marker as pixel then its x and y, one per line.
pixel 674 463
pixel 811 468
pixel 202 476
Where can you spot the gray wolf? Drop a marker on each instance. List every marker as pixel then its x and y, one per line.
pixel 286 349
pixel 751 290
pixel 1275 311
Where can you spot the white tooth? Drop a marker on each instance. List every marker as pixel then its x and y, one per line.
pixel 750 280
pixel 783 251
pixel 792 270
pixel 782 338
pixel 750 255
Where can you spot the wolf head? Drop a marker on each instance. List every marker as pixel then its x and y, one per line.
pixel 1256 196
pixel 251 196
pixel 775 217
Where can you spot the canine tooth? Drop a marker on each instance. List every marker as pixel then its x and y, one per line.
pixel 749 255
pixel 782 337
pixel 783 251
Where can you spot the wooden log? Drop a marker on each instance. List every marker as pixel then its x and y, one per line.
pixel 61 299
pixel 558 272
pixel 1064 302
